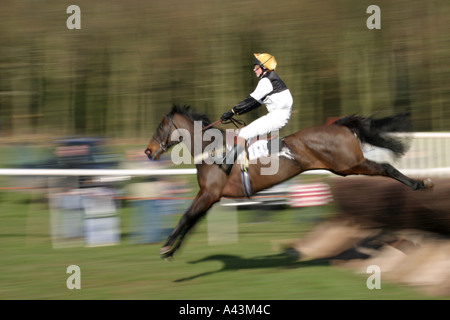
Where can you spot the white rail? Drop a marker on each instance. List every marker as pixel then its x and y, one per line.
pixel 96 172
pixel 427 150
pixel 171 172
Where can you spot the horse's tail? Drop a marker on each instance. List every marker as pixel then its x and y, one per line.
pixel 374 131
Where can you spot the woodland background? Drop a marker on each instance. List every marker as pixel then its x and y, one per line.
pixel 132 60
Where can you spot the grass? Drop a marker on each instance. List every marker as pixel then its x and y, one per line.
pixel 251 268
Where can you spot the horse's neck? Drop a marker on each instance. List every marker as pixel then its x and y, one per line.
pixel 197 138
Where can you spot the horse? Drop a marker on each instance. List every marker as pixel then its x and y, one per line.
pixel 334 147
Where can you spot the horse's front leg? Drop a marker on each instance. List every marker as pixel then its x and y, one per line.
pixel 201 204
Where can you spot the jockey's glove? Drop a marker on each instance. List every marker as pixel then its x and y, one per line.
pixel 227 115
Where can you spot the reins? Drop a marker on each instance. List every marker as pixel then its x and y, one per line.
pixel 237 123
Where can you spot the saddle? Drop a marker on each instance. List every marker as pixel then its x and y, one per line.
pixel 256 148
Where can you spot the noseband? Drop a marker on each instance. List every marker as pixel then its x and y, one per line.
pixel 164 144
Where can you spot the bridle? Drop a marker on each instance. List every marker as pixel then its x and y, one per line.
pixel 164 144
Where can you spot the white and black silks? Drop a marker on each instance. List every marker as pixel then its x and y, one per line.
pixel 273 93
pixel 269 84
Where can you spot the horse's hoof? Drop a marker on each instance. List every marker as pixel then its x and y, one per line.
pixel 428 183
pixel 166 252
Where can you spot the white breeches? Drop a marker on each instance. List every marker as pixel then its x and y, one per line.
pixel 274 120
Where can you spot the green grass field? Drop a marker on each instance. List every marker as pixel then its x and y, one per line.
pixel 251 268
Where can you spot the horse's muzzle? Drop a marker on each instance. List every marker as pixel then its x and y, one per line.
pixel 148 152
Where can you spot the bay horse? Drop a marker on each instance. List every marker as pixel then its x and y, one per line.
pixel 335 147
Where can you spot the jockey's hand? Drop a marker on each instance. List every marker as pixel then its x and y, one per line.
pixel 227 115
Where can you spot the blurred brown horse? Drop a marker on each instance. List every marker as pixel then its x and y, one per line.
pixel 335 147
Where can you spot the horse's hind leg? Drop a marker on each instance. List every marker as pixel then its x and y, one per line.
pixel 372 168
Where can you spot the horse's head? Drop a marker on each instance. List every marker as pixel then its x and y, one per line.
pixel 161 141
pixel 181 117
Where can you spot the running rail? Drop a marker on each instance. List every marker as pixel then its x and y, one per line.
pixel 95 172
pixel 170 172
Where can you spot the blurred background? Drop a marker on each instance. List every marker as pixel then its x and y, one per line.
pixel 121 72
pixel 92 98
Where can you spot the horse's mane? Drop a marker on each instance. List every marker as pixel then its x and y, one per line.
pixel 194 116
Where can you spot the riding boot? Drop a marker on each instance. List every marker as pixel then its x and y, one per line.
pixel 230 158
pixel 242 159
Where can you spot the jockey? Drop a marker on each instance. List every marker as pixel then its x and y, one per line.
pixel 272 92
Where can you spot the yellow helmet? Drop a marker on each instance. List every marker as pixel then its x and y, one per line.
pixel 266 61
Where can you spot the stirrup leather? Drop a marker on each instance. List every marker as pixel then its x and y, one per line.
pixel 229 159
